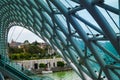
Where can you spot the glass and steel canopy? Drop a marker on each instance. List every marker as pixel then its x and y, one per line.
pixel 86 33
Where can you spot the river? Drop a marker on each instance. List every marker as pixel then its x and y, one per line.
pixel 63 75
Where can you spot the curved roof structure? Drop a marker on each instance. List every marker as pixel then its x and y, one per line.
pixel 86 33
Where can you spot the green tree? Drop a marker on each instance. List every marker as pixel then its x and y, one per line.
pixel 42 65
pixel 27 56
pixel 35 43
pixel 14 56
pixel 60 64
pixel 34 49
pixel 15 50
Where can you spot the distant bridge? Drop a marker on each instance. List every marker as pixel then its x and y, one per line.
pixel 86 33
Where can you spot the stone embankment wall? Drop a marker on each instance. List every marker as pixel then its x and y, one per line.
pixel 34 64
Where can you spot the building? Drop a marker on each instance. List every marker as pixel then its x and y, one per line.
pixel 14 44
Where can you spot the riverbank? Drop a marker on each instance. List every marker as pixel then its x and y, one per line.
pixel 55 69
pixel 34 64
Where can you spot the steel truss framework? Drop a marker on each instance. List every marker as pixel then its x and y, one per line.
pixel 78 29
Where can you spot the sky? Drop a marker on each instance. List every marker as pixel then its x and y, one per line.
pixel 21 34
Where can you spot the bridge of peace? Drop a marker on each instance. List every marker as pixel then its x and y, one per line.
pixel 86 33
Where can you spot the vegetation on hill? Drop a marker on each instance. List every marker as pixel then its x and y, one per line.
pixel 30 51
